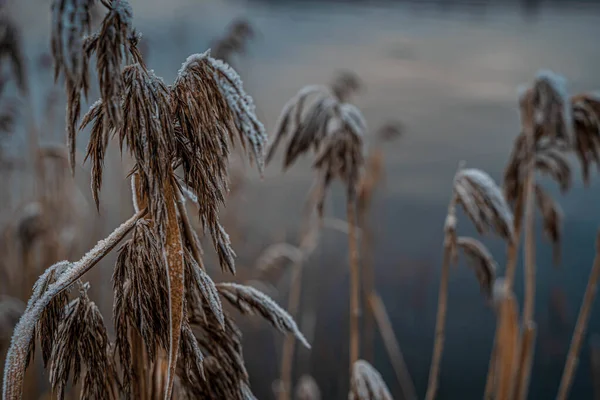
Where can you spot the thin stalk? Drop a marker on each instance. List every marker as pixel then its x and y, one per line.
pixel 289 344
pixel 307 246
pixel 527 348
pixel 440 321
pixel 392 347
pixel 368 281
pixel 580 327
pixel 354 282
pixel 524 370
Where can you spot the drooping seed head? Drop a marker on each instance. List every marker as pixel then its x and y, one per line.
pixel 586 116
pixel 483 202
pixel 481 261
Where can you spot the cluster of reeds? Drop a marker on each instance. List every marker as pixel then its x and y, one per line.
pixel 553 125
pixel 167 309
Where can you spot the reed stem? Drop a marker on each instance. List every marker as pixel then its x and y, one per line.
pixel 392 347
pixel 354 283
pixel 580 327
pixel 440 321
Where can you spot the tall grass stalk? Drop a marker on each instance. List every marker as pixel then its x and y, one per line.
pixel 580 327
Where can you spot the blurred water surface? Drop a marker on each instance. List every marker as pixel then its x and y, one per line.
pixel 449 71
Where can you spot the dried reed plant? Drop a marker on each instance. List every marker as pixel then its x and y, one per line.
pixel 335 131
pixel 484 204
pixel 171 304
pixel 541 147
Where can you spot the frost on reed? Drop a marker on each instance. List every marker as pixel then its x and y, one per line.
pixel 82 348
pixel 251 301
pixel 484 204
pixel 367 384
pixel 162 294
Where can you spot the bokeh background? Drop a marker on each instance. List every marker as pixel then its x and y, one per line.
pixel 448 71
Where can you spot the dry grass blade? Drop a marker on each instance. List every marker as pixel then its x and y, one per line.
pixel 17 356
pixel 140 290
pixel 251 301
pixel 367 384
pixel 481 261
pixel 552 218
pixel 82 341
pixel 483 202
pixel 586 119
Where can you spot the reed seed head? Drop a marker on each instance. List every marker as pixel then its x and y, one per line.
pixel 481 261
pixel 483 202
pixel 586 118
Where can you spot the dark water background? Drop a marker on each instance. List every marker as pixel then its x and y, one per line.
pixel 448 70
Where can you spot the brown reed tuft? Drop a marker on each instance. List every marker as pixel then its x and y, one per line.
pixel 82 348
pixel 140 290
pixel 586 120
